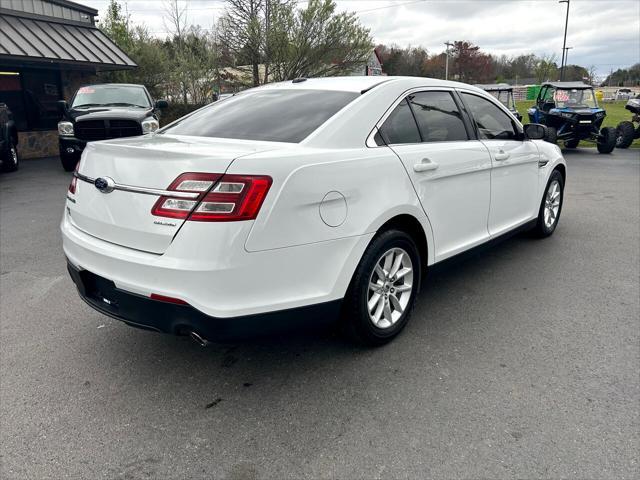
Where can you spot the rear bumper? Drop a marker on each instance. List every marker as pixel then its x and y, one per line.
pixel 208 267
pixel 148 314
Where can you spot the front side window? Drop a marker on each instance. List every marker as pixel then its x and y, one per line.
pixel 438 117
pixel 110 96
pixel 492 122
pixel 273 115
pixel 400 126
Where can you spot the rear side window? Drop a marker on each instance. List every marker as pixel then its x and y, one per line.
pixel 271 115
pixel 400 126
pixel 438 117
pixel 492 122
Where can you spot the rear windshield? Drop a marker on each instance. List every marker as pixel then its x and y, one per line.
pixel 270 115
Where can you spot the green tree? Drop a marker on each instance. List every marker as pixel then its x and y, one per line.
pixel 316 41
pixel 147 52
pixel 546 68
pixel 115 25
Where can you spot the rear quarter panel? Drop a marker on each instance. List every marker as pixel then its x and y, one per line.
pixel 372 181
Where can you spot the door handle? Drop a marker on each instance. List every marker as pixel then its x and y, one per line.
pixel 425 165
pixel 501 155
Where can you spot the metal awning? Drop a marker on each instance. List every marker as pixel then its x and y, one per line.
pixel 44 40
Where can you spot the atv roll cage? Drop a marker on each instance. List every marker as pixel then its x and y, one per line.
pixel 504 93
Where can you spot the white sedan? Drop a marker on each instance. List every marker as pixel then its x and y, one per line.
pixel 303 202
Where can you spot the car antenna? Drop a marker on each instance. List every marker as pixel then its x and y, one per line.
pixel 299 80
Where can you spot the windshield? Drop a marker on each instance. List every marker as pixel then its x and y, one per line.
pixel 111 95
pixel 274 115
pixel 575 98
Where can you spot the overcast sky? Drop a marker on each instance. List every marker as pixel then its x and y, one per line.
pixel 604 33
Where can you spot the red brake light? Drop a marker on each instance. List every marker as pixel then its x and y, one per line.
pixel 223 198
pixel 74 180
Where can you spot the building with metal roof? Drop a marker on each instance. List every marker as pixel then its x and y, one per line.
pixel 48 48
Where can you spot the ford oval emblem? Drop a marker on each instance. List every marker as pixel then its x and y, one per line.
pixel 105 184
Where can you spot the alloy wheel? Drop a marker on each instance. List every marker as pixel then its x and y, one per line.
pixel 390 288
pixel 552 204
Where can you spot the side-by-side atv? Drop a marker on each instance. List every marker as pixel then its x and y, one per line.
pixel 627 131
pixel 504 93
pixel 571 113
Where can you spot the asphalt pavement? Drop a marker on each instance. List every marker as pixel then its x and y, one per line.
pixel 522 361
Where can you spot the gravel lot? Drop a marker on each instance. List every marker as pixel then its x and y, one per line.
pixel 521 361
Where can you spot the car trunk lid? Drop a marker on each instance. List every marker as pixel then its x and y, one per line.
pixel 142 168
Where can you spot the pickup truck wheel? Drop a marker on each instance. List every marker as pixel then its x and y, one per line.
pixel 608 141
pixel 383 289
pixel 11 160
pixel 624 134
pixel 550 207
pixel 68 162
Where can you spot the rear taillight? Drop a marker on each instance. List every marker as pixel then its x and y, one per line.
pixel 223 198
pixel 74 180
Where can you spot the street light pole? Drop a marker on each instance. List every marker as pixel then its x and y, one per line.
pixel 566 60
pixel 564 43
pixel 446 65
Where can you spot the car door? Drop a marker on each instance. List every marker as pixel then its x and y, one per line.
pixel 450 170
pixel 514 172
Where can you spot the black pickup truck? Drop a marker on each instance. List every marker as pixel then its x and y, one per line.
pixel 100 112
pixel 8 141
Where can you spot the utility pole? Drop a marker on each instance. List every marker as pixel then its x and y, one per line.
pixel 566 60
pixel 446 65
pixel 564 43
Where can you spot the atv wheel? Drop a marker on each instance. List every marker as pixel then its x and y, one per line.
pixel 573 143
pixel 608 141
pixel 624 134
pixel 552 135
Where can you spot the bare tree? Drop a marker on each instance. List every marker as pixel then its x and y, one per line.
pixel 592 73
pixel 241 32
pixel 175 18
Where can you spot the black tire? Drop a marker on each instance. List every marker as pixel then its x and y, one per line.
pixel 573 143
pixel 624 134
pixel 608 141
pixel 552 135
pixel 10 158
pixel 355 313
pixel 69 162
pixel 544 229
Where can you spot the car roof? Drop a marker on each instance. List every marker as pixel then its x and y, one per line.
pixel 489 87
pixel 576 85
pixel 361 83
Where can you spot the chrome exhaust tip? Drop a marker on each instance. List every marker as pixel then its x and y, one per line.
pixel 198 339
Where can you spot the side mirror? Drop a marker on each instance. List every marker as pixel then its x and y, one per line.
pixel 63 107
pixel 162 104
pixel 535 131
